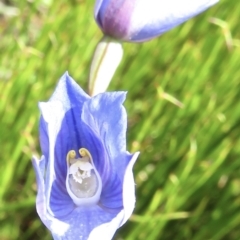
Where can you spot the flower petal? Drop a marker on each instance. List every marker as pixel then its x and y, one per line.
pixel 60 133
pixel 110 129
pixel 106 116
pixel 107 230
pixel 39 167
pixel 111 196
pixel 69 93
pixel 62 112
pixel 52 117
pixel 83 221
pixel 151 18
pixel 41 201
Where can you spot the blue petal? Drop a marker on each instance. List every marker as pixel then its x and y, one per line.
pixel 69 93
pixel 154 17
pixel 106 116
pixel 39 167
pixel 44 141
pixel 60 131
pixel 52 115
pixel 129 189
pixel 111 196
pixel 62 112
pixel 82 221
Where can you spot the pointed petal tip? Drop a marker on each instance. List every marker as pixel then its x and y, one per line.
pixel 65 77
pixel 121 96
pixel 134 158
pixel 34 158
pixel 36 161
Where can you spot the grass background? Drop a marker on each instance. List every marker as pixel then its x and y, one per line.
pixel 183 107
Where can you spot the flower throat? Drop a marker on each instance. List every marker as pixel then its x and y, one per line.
pixel 83 182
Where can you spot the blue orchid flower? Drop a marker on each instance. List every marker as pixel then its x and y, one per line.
pixel 84 178
pixel 141 20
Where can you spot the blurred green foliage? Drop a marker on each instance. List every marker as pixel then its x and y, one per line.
pixel 183 106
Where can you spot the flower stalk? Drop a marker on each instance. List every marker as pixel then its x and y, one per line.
pixel 106 59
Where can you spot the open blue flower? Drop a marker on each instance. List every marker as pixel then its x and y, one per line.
pixel 141 20
pixel 84 178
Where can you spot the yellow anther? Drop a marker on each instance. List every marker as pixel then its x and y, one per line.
pixel 71 155
pixel 85 153
pixel 83 182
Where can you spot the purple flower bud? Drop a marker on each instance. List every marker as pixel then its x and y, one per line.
pixel 141 20
pixel 84 178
